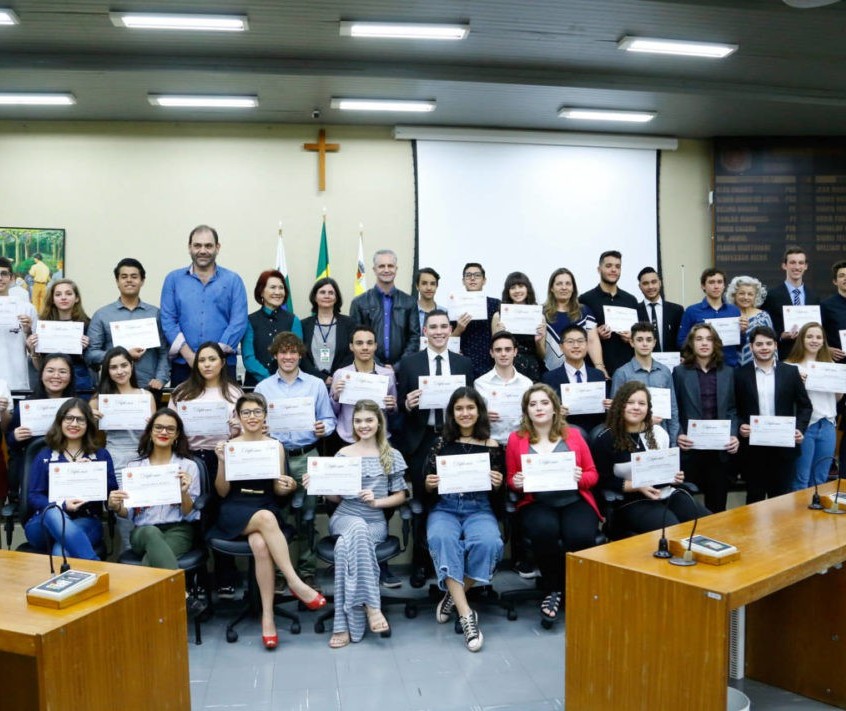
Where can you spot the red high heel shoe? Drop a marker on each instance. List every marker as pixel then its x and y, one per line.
pixel 315 604
pixel 270 641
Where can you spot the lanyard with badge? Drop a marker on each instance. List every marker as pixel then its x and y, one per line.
pixel 324 352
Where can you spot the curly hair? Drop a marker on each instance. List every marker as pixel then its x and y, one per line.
pixel 559 424
pixel 738 281
pixel 615 419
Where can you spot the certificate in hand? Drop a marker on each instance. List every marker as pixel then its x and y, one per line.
pixel 453 344
pixel 291 414
pixel 772 431
pixel 38 415
pixel 437 389
pixel 661 403
pixel 842 339
pixel 334 476
pixel 151 486
pixel 77 480
pixel 8 313
pixel 252 460
pixel 521 319
pixel 506 402
pixel 620 318
pixel 709 434
pixel 798 316
pixel 655 467
pixel 669 358
pixel 203 417
pixel 59 337
pixel 583 398
pixel 549 472
pixel 140 333
pixel 364 386
pixel 826 377
pixel 124 412
pixel 467 302
pixel 728 329
pixel 463 473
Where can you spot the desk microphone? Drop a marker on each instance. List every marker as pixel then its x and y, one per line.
pixel 816 504
pixel 687 558
pixel 663 546
pixel 835 502
pixel 65 565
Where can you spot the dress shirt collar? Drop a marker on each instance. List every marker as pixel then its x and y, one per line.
pixel 281 380
pixel 571 372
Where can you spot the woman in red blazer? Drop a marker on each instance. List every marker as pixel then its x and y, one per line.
pixel 556 522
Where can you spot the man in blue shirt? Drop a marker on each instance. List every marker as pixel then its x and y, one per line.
pixel 203 302
pixel 291 382
pixel 713 283
pixel 152 367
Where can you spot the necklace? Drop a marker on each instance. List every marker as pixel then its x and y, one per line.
pixel 75 456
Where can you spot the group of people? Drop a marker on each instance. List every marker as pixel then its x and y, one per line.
pixel 511 401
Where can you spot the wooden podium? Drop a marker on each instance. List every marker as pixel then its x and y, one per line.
pixel 124 649
pixel 643 634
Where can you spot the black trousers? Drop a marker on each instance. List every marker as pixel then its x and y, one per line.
pixel 768 471
pixel 417 471
pixel 642 515
pixel 711 474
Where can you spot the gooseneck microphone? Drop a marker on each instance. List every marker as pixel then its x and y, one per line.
pixel 687 558
pixel 816 504
pixel 65 565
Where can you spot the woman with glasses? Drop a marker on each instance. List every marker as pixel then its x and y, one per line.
pixel 71 438
pixel 249 508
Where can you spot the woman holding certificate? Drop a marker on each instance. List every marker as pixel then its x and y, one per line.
pixel 249 508
pixel 630 430
pixel 359 523
pixel 817 448
pixel 748 293
pixel 462 530
pixel 162 532
pixel 550 466
pixel 531 348
pixel 68 481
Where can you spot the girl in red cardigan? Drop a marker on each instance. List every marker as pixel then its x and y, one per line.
pixel 556 522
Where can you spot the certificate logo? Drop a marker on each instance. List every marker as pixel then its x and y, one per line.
pixel 105 401
pixel 637 458
pixel 443 462
pixel 425 381
pixel 755 420
pixel 693 426
pixel 231 448
pixel 271 406
pixel 184 408
pixel 128 474
pixel 528 460
pixel 56 470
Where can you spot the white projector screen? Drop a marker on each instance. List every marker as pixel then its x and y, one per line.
pixel 534 208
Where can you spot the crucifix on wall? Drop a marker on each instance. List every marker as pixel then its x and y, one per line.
pixel 322 148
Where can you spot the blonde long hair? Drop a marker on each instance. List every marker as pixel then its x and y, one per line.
pixel 798 352
pixel 386 453
pixel 559 424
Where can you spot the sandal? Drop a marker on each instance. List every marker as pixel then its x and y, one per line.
pixel 551 606
pixel 339 640
pixel 376 621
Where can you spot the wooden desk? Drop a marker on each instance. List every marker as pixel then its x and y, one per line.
pixel 124 649
pixel 644 634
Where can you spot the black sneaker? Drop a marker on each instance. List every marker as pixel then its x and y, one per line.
pixel 526 570
pixel 418 577
pixel 472 634
pixel 443 610
pixel 387 579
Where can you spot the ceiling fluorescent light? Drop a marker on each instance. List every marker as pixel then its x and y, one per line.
pixel 682 48
pixel 167 21
pixel 606 115
pixel 404 30
pixel 382 105
pixel 7 17
pixel 7 99
pixel 203 102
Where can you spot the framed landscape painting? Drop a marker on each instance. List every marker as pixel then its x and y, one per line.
pixel 37 255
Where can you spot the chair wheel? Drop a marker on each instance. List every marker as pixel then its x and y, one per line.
pixel 319 627
pixel 511 615
pixel 295 628
pixel 547 624
pixel 231 635
pixel 411 611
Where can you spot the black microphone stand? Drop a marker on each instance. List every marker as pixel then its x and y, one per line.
pixel 687 558
pixel 816 504
pixel 65 565
pixel 835 503
pixel 663 550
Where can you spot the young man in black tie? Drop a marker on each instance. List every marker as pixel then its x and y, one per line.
pixel 791 292
pixel 665 316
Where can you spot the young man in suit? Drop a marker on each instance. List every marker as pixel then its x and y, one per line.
pixel 770 388
pixel 664 316
pixel 704 387
pixel 791 292
pixel 575 370
pixel 421 427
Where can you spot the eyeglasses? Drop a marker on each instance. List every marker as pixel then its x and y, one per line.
pixel 74 419
pixel 472 275
pixel 169 429
pixel 5 274
pixel 257 412
pixel 574 341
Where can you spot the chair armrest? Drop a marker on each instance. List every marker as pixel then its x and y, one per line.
pixel 201 502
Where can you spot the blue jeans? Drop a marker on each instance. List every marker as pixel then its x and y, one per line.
pixel 81 534
pixel 464 539
pixel 814 461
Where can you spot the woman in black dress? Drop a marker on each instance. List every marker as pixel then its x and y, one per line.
pixel 531 348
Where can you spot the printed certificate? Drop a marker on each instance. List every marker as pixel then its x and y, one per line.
pixel 798 316
pixel 521 319
pixel 826 377
pixel 655 467
pixel 669 358
pixel 506 402
pixel 583 398
pixel 728 329
pixel 463 473
pixel 38 415
pixel 364 386
pixel 124 412
pixel 661 402
pixel 203 417
pixel 842 339
pixel 709 434
pixel 334 476
pixel 59 337
pixel 467 302
pixel 151 486
pixel 9 313
pixel 140 333
pixel 252 460
pixel 772 431
pixel 291 414
pixel 620 318
pixel 77 480
pixel 453 343
pixel 437 389
pixel 549 472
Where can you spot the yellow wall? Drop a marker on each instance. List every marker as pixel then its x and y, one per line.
pixel 137 190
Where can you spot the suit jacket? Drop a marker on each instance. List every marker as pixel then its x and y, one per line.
pixel 689 398
pixel 408 371
pixel 558 376
pixel 791 398
pixel 777 297
pixel 670 328
pixel 343 354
